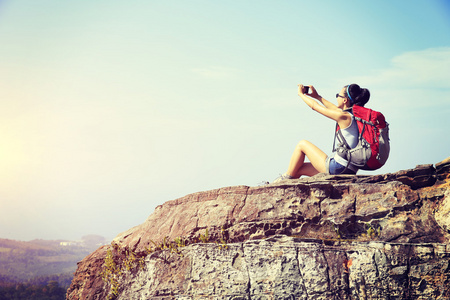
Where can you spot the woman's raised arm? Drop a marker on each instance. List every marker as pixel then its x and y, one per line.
pixel 327 108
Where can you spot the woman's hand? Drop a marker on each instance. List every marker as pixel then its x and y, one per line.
pixel 312 91
pixel 301 90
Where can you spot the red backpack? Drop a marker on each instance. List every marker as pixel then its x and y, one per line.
pixel 373 147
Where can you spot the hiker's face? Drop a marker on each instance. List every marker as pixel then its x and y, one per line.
pixel 341 99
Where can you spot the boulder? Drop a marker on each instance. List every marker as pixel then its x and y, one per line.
pixel 323 237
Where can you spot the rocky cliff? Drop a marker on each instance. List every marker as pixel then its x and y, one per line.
pixel 325 237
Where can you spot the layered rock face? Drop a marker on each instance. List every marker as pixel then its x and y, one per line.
pixel 326 237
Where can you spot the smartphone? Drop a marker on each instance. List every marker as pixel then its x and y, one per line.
pixel 306 89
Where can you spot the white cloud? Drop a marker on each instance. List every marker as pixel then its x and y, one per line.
pixel 428 68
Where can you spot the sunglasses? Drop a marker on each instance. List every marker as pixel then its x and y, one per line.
pixel 337 95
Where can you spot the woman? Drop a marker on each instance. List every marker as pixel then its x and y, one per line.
pixel 341 113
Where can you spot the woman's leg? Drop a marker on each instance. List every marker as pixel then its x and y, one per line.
pixel 298 167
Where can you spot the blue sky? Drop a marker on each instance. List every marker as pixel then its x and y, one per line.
pixel 110 108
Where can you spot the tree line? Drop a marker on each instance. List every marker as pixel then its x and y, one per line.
pixel 52 287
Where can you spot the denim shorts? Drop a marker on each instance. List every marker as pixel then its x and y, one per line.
pixel 335 168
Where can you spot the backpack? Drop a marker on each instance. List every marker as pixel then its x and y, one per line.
pixel 373 147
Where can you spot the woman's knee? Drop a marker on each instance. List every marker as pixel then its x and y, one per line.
pixel 309 149
pixel 302 145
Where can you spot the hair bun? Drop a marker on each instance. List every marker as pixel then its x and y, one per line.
pixel 359 96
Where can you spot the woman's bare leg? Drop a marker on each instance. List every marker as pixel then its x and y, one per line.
pixel 298 167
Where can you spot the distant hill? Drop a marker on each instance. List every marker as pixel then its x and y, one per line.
pixel 38 261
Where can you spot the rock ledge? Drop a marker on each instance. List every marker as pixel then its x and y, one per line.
pixel 325 237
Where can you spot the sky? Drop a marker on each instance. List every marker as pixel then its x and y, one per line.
pixel 111 108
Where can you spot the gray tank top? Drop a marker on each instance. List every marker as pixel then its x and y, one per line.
pixel 351 134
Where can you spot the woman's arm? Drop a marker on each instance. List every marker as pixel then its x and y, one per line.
pixel 327 108
pixel 326 103
pixel 316 96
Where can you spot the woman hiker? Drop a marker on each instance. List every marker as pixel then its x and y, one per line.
pixel 319 162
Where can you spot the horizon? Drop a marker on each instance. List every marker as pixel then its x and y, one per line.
pixel 111 109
